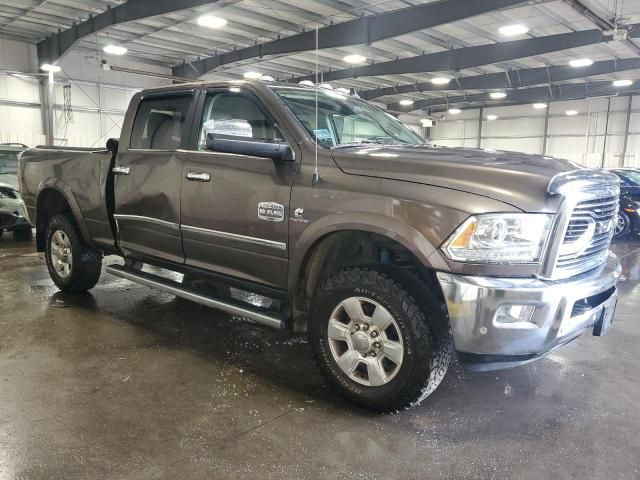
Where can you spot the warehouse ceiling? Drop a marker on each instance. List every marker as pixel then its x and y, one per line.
pixel 468 49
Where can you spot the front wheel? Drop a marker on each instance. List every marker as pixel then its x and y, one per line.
pixel 623 226
pixel 375 343
pixel 73 265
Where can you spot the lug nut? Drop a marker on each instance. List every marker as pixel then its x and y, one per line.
pixel 376 345
pixel 365 327
pixel 374 334
pixel 373 354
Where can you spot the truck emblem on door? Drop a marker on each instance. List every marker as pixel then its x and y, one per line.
pixel 271 212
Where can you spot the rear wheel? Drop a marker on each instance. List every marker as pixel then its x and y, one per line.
pixel 73 265
pixel 623 226
pixel 374 342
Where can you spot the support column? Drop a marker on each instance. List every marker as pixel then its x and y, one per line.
pixel 626 131
pixel 606 132
pixel 479 144
pixel 47 96
pixel 546 129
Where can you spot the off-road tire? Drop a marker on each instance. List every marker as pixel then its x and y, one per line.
pixel 424 327
pixel 23 234
pixel 86 261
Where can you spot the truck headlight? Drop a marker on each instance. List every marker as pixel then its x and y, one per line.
pixel 500 238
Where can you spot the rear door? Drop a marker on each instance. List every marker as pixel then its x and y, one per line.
pixel 235 208
pixel 148 173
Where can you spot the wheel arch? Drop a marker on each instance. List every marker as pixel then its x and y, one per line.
pixel 53 198
pixel 362 239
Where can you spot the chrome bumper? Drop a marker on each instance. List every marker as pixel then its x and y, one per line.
pixel 563 310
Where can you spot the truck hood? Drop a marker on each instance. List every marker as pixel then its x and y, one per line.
pixel 517 179
pixel 9 180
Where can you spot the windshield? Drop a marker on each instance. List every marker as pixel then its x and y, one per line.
pixel 632 176
pixel 344 120
pixel 8 163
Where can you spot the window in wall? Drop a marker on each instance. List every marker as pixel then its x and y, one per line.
pixel 159 123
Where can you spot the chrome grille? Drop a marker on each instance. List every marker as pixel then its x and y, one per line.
pixel 592 223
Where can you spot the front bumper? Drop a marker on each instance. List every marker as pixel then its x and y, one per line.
pixel 563 310
pixel 10 220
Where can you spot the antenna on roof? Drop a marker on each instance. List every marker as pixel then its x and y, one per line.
pixel 316 175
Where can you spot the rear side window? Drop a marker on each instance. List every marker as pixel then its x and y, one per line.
pixel 160 122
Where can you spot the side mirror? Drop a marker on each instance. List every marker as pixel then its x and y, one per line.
pixel 244 146
pixel 112 145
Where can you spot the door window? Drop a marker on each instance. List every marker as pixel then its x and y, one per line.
pixel 160 122
pixel 235 115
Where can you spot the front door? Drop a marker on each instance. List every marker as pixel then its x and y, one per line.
pixel 148 177
pixel 235 207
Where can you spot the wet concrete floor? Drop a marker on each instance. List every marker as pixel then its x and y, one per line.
pixel 130 383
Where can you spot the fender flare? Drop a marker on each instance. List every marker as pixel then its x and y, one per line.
pixel 389 227
pixel 66 192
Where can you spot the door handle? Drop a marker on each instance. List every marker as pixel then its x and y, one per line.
pixel 199 177
pixel 121 170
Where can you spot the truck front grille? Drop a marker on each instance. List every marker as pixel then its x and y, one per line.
pixel 590 229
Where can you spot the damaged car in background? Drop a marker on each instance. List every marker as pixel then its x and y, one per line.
pixel 13 214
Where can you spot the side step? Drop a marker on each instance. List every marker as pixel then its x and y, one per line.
pixel 256 314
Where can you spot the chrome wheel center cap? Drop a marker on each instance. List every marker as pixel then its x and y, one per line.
pixel 361 342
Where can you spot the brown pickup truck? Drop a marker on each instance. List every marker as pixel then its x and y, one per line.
pixel 394 254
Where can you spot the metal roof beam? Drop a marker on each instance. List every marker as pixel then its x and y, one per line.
pixel 469 57
pixel 53 47
pixel 363 30
pixel 511 79
pixel 548 93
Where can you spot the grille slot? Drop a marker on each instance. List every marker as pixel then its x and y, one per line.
pixel 601 210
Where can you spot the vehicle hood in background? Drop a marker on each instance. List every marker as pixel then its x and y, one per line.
pixel 518 179
pixel 9 180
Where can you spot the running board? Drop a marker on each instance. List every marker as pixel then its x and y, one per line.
pixel 175 288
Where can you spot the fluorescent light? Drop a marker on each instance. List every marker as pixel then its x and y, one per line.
pixel 454 111
pixel 426 122
pixel 252 75
pixel 497 95
pixel 622 83
pixel 355 58
pixel 492 117
pixel 267 78
pixel 47 67
pixel 405 102
pixel 513 30
pixel 306 83
pixel 581 62
pixel 211 21
pixel 440 80
pixel 114 49
pixel 571 113
pixel 539 106
pixel 235 89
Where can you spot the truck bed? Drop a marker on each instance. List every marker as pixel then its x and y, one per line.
pixel 82 176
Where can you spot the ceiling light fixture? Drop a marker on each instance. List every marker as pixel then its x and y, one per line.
pixel 571 113
pixel 492 117
pixel 497 95
pixel 454 111
pixel 539 106
pixel 112 49
pixel 440 80
pixel 622 83
pixel 513 30
pixel 405 102
pixel 252 75
pixel 211 21
pixel 355 58
pixel 581 62
pixel 47 67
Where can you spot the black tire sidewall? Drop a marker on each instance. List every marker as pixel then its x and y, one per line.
pixel 415 364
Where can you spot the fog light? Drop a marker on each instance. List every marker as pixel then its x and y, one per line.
pixel 515 316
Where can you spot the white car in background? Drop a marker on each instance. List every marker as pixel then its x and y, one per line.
pixel 13 214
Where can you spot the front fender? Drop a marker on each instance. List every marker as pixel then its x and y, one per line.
pixel 389 227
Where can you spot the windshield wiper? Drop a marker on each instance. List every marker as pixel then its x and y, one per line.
pixel 362 143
